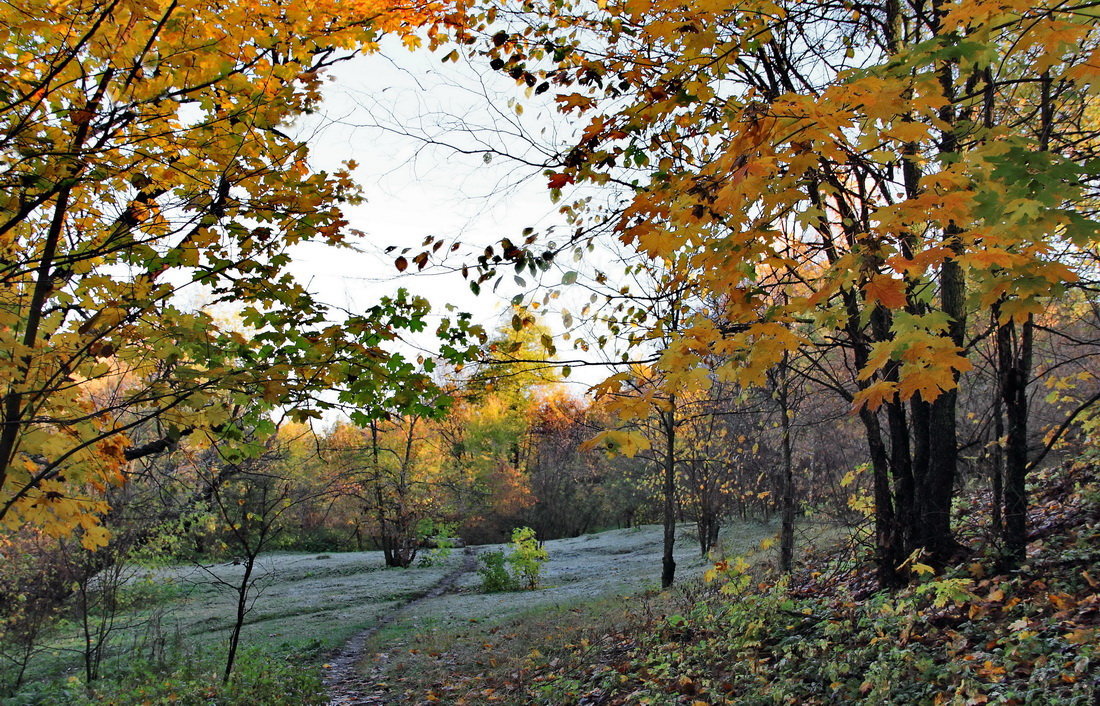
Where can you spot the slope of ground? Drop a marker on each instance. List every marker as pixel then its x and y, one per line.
pixel 306 606
pixel 968 636
pixel 470 648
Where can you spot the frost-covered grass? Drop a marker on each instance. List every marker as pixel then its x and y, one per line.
pixel 329 597
pixel 311 602
pixel 611 563
pixel 318 601
pixel 446 647
pixel 322 597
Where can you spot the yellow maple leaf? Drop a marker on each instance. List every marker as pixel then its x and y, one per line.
pixel 874 395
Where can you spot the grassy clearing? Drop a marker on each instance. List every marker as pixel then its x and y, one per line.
pixel 461 647
pixel 303 606
pixel 306 605
pixel 327 597
pixel 593 566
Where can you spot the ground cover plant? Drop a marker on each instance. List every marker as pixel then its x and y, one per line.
pixel 826 635
pixel 281 678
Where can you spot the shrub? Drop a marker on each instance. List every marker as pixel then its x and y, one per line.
pixel 527 557
pixel 494 573
pixel 518 569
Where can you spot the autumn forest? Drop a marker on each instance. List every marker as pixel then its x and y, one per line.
pixel 794 399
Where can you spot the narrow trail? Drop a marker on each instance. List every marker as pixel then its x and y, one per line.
pixel 346 684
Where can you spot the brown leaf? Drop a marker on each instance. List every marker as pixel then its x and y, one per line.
pixel 558 180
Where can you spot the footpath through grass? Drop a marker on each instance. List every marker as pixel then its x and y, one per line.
pixel 471 647
pixel 168 640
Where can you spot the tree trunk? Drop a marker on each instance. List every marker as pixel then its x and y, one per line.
pixel 242 610
pixel 786 534
pixel 668 563
pixel 889 550
pixel 890 538
pixel 937 488
pixel 997 454
pixel 1014 352
pixel 934 521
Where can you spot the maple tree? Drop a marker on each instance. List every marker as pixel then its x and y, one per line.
pixel 892 168
pixel 145 155
pixel 879 200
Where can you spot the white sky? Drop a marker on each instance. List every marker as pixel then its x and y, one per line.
pixel 414 190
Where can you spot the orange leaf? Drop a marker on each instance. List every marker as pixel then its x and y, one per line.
pixel 568 102
pixel 875 395
pixel 885 290
pixel 921 261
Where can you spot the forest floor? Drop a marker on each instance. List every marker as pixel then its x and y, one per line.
pixel 345 680
pixel 599 632
pixel 971 634
pixel 369 624
pixel 454 646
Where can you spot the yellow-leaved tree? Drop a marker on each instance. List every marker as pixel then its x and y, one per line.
pixel 882 173
pixel 144 151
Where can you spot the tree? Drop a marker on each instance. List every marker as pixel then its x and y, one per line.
pixel 250 504
pixel 384 468
pixel 894 167
pixel 653 392
pixel 570 486
pixel 143 151
pixel 487 439
pixel 33 583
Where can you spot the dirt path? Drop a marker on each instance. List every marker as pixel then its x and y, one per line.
pixel 347 685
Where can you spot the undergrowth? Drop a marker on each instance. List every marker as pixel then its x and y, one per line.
pixel 259 679
pixel 966 636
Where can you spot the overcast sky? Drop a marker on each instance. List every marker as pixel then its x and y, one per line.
pixel 414 189
pixel 378 111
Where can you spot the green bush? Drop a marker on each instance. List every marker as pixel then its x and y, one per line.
pixel 518 569
pixel 527 557
pixel 494 573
